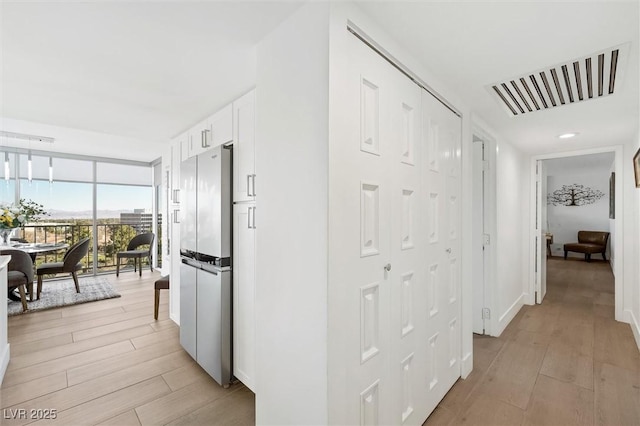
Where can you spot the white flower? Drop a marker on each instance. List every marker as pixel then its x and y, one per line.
pixel 21 218
pixel 15 210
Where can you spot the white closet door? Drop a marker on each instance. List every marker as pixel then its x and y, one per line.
pixel 440 171
pixel 400 262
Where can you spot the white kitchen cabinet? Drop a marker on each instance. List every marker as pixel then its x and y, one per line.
pixel 244 178
pixel 183 142
pixel 219 128
pixel 173 231
pixel 244 231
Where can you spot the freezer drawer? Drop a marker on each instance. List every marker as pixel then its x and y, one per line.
pixel 214 324
pixel 188 299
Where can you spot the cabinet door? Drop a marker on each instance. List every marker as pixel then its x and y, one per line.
pixel 244 147
pixel 197 136
pixel 244 293
pixel 219 128
pixel 188 309
pixel 184 146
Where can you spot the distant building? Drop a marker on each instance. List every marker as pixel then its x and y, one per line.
pixel 140 220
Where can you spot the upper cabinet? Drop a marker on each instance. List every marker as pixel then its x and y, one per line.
pixel 211 132
pixel 244 148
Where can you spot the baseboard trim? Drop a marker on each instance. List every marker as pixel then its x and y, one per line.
pixel 506 318
pixel 635 327
pixel 4 361
pixel 175 319
pixel 467 365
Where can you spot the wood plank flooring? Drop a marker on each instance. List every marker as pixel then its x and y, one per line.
pixel 111 363
pixel 564 362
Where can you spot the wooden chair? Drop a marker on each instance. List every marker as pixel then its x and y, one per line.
pixel 20 274
pixel 71 263
pixel 136 254
pixel 160 284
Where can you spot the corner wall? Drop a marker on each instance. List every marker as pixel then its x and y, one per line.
pixel 291 220
pixel 511 179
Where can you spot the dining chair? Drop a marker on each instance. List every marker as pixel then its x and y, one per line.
pixel 71 263
pixel 134 252
pixel 20 274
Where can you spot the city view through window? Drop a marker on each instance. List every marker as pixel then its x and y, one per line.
pixel 121 211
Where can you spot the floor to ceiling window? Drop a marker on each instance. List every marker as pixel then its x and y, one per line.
pixel 109 201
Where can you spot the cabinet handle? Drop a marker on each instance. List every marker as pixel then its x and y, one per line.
pixel 249 218
pixel 176 196
pixel 205 139
pixel 253 185
pixel 254 217
pixel 248 185
pixel 175 216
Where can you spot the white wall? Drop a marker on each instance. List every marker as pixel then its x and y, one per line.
pixel 4 343
pixel 291 219
pixel 511 179
pixel 566 221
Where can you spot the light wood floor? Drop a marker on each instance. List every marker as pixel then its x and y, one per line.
pixel 560 363
pixel 564 362
pixel 110 362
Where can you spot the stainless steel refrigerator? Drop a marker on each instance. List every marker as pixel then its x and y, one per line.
pixel 205 271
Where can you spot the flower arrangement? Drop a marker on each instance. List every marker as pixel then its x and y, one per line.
pixel 14 216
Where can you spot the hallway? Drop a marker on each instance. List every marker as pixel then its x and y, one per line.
pixel 565 362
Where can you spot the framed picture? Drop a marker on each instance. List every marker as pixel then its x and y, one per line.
pixel 636 168
pixel 612 196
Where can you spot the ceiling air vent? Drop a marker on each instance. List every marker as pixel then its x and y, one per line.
pixel 590 77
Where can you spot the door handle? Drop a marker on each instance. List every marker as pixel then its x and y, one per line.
pixel 175 216
pixel 249 218
pixel 176 196
pixel 387 267
pixel 248 185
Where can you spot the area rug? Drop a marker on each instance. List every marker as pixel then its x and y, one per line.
pixel 63 293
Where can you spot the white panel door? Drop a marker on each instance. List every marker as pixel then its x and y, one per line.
pixel 441 136
pixel 366 276
pixel 400 261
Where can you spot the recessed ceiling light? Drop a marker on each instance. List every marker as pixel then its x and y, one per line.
pixel 567 135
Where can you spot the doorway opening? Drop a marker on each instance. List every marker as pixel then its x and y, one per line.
pixel 484 230
pixel 575 192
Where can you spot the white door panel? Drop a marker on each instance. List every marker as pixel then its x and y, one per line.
pixel 400 262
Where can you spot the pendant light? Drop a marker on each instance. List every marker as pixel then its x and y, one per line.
pixel 50 169
pixel 7 170
pixel 29 168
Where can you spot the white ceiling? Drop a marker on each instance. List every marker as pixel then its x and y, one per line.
pixel 469 45
pixel 149 70
pixel 138 69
